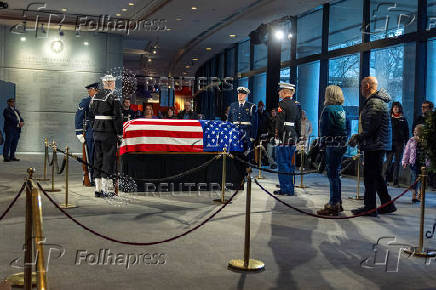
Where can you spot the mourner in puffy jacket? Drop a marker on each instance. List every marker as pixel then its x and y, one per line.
pixel 374 139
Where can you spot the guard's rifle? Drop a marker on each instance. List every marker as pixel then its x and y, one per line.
pixel 86 180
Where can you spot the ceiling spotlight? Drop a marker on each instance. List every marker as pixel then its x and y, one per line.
pixel 118 14
pixel 187 66
pixel 64 9
pixel 169 29
pixel 279 34
pixel 22 39
pixel 208 48
pixel 194 7
pixel 86 43
pixel 185 73
pixel 131 4
pixel 154 51
pixel 232 35
pixel 290 35
pixel 149 60
pixel 57 46
pixel 195 58
pixel 179 19
pixel 124 9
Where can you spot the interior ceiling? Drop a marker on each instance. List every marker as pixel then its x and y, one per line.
pixel 208 26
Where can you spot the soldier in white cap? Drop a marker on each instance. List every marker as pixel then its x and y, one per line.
pixel 288 130
pixel 105 109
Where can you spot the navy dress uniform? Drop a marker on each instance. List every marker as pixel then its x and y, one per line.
pixel 288 130
pixel 105 109
pixel 243 114
pixel 84 131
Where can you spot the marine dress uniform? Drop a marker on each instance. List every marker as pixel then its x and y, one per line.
pixel 288 129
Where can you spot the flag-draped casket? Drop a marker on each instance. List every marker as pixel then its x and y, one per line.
pixel 164 135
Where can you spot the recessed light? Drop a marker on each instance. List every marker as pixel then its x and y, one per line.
pixel 179 19
pixel 194 7
pixel 124 9
pixel 22 39
pixel 195 58
pixel 208 48
pixel 131 4
pixel 187 66
pixel 232 35
pixel 154 51
pixel 169 29
pixel 185 73
pixel 118 14
pixel 64 9
pixel 149 60
pixel 86 43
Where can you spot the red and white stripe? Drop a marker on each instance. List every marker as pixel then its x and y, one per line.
pixel 162 135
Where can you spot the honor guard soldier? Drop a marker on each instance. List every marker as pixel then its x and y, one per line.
pixel 105 108
pixel 288 130
pixel 243 114
pixel 84 129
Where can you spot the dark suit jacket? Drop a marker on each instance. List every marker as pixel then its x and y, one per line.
pixel 191 115
pixel 11 121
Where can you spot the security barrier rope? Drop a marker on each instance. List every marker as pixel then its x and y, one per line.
pixel 13 202
pixel 270 170
pixel 134 243
pixel 335 217
pixel 114 176
pixel 54 162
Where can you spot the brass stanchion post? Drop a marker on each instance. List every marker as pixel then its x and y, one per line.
pixel 247 264
pixel 222 200
pixel 44 177
pixel 67 205
pixel 301 168
pixel 53 189
pixel 26 278
pixel 259 147
pixel 357 197
pixel 420 251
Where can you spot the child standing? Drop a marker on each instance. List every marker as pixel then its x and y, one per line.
pixel 414 157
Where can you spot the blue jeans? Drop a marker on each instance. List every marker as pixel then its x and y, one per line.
pixel 333 164
pixel 414 172
pixel 284 164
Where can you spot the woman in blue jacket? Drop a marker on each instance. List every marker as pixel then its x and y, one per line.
pixel 333 132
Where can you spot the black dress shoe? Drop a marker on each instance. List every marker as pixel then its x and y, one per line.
pixel 98 194
pixel 363 210
pixel 15 159
pixel 389 209
pixel 6 160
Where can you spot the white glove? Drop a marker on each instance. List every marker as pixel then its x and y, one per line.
pixel 81 138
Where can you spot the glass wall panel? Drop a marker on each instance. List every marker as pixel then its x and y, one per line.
pixel 244 56
pixel 230 62
pixel 259 87
pixel 260 56
pixel 392 18
pixel 345 23
pixel 431 70
pixel 285 74
pixel 344 72
pixel 394 68
pixel 243 82
pixel 431 14
pixel 309 28
pixel 286 43
pixel 307 91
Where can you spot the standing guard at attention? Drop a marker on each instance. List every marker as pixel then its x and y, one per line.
pixel 288 130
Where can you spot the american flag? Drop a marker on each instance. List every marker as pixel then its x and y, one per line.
pixel 180 136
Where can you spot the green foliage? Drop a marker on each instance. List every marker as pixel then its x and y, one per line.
pixel 429 139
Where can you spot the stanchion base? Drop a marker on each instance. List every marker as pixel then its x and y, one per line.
pixel 356 197
pixel 66 206
pixel 253 265
pixel 301 186
pixel 42 179
pixel 18 279
pixel 259 177
pixel 424 253
pixel 53 190
pixel 218 200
